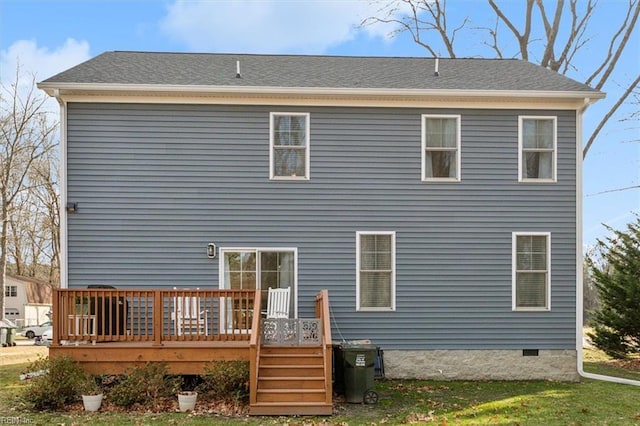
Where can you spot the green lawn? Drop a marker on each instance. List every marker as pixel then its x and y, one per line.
pixel 589 402
pixel 597 362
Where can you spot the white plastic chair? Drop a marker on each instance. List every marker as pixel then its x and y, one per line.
pixel 278 302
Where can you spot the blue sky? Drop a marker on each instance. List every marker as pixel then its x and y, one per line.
pixel 49 36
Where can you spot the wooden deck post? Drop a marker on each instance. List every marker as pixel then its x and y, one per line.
pixel 157 318
pixel 56 306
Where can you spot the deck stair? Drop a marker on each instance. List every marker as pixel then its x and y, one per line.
pixel 292 376
pixel 291 380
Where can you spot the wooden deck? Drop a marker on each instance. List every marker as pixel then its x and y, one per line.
pixel 110 331
pixel 180 357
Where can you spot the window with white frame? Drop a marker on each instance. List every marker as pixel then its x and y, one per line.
pixel 375 281
pixel 537 149
pixel 289 146
pixel 440 147
pixel 11 291
pixel 531 271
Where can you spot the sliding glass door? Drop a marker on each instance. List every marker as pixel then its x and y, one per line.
pixel 251 269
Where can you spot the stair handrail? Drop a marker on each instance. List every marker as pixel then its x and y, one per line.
pixel 322 312
pixel 254 349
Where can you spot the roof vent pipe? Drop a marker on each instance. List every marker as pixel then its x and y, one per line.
pixel 436 72
pixel 238 70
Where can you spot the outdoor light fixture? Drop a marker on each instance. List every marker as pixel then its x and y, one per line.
pixel 72 207
pixel 211 251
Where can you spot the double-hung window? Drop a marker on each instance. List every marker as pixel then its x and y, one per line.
pixel 537 141
pixel 376 264
pixel 440 147
pixel 289 146
pixel 531 271
pixel 11 291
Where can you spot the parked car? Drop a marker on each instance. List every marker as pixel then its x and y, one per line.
pixel 47 338
pixel 36 330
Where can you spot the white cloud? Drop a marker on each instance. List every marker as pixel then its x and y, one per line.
pixel 40 61
pixel 266 26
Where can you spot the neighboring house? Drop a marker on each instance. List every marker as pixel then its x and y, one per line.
pixel 27 300
pixel 441 210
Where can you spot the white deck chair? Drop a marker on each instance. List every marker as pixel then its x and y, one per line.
pixel 278 302
pixel 188 317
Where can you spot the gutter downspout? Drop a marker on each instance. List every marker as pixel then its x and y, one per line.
pixel 580 260
pixel 64 270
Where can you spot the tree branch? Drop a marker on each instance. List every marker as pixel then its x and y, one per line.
pixel 574 43
pixel 523 39
pixel 493 33
pixel 611 59
pixel 604 120
pixel 416 26
pixel 551 31
pixel 614 190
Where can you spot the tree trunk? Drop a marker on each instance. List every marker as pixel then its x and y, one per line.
pixel 3 256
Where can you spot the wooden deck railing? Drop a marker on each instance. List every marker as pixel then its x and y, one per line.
pixel 322 312
pixel 156 316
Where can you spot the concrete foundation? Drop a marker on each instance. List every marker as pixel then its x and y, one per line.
pixel 560 365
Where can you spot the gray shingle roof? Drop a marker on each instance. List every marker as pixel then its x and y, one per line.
pixel 300 71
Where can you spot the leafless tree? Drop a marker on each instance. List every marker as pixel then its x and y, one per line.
pixel 46 242
pixel 27 135
pixel 18 233
pixel 556 47
pixel 33 243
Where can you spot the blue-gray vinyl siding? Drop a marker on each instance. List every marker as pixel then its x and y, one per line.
pixel 156 183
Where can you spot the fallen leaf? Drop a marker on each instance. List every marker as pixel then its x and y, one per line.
pixel 420 417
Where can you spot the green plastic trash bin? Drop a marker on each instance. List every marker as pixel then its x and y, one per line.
pixel 338 369
pixel 359 370
pixel 11 336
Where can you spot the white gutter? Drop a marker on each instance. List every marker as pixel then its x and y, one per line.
pixel 305 91
pixel 580 262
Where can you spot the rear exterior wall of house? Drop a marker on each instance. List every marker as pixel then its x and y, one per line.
pixel 156 183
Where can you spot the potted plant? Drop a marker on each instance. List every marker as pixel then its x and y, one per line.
pixel 91 394
pixel 187 400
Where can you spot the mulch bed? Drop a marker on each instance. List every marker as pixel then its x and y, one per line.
pixel 628 364
pixel 170 404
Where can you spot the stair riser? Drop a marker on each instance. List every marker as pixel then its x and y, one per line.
pixel 291 384
pixel 290 410
pixel 291 397
pixel 298 360
pixel 295 350
pixel 280 371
